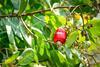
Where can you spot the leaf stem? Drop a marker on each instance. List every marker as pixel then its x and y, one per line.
pixel 25 25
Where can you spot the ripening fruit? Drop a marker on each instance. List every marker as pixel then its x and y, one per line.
pixel 60 36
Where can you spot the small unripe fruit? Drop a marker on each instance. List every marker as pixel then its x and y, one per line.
pixel 60 35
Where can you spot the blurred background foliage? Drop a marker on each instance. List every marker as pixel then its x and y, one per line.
pixel 27 28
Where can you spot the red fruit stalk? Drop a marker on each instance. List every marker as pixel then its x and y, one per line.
pixel 60 36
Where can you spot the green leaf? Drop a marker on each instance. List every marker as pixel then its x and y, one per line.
pixel 35 56
pixel 95 30
pixel 48 1
pixel 71 38
pixel 56 11
pixel 37 31
pixel 76 56
pixel 62 57
pixel 96 27
pixel 80 2
pixel 16 3
pixel 23 30
pixel 68 53
pixel 55 59
pixel 48 53
pixel 55 22
pixel 91 37
pixel 16 26
pixel 22 6
pixel 40 38
pixel 41 51
pixel 46 31
pixel 10 33
pixel 58 23
pixel 12 58
pixel 26 57
pixel 38 21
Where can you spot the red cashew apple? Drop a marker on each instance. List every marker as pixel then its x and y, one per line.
pixel 60 36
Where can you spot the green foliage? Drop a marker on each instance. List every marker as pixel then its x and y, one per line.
pixel 12 58
pixel 22 6
pixel 27 29
pixel 71 38
pixel 96 28
pixel 26 57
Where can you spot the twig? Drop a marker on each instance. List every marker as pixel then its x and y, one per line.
pixel 82 17
pixel 71 12
pixel 94 59
pixel 74 9
pixel 35 12
pixel 6 53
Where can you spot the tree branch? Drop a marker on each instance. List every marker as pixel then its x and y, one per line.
pixel 82 17
pixel 35 12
